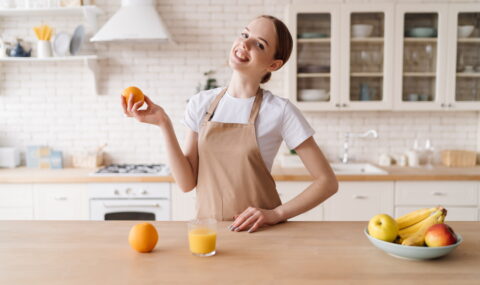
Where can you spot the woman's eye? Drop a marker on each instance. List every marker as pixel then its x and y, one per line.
pixel 260 45
pixel 244 35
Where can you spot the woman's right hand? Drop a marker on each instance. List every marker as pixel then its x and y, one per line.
pixel 154 114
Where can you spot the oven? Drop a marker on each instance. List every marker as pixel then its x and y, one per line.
pixel 130 201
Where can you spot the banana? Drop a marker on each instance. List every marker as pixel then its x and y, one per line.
pixel 408 231
pixel 414 217
pixel 418 238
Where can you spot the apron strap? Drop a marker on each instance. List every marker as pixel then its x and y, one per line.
pixel 208 115
pixel 256 106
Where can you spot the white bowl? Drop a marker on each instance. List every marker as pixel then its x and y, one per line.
pixel 361 31
pixel 413 252
pixel 465 31
pixel 313 95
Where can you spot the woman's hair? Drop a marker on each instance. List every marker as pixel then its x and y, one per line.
pixel 284 43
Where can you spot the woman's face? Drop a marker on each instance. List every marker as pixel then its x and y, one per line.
pixel 254 49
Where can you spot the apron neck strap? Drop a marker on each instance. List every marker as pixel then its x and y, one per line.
pixel 253 114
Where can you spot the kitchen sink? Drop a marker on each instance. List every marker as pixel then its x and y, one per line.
pixel 357 168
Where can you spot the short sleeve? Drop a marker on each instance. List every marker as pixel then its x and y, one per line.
pixel 295 128
pixel 191 119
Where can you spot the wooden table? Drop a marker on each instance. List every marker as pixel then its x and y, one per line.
pixel 97 252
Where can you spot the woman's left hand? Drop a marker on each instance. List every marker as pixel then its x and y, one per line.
pixel 253 218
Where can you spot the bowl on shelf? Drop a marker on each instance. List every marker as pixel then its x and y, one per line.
pixel 308 95
pixel 422 32
pixel 361 30
pixel 312 35
pixel 413 252
pixel 465 31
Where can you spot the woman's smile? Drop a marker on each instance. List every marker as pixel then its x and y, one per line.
pixel 241 55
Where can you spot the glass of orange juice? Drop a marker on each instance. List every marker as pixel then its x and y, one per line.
pixel 202 236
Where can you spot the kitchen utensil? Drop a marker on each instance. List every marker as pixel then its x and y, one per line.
pixel 422 32
pixel 458 158
pixel 19 51
pixel 412 158
pixel 89 159
pixel 44 49
pixel 9 157
pixel 61 44
pixel 413 252
pixel 313 95
pixel 361 31
pixel 77 39
pixel 465 31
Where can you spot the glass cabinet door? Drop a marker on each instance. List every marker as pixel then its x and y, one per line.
pixel 464 90
pixel 313 58
pixel 367 69
pixel 421 61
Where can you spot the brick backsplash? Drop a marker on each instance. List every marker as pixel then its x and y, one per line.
pixel 52 103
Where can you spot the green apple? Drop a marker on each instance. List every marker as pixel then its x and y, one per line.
pixel 383 227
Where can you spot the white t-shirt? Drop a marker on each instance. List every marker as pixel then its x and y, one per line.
pixel 277 120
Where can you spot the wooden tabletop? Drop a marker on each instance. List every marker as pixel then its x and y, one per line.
pixel 83 175
pixel 97 252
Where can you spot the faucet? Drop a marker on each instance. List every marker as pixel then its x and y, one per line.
pixel 345 158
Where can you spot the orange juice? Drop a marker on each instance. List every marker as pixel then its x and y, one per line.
pixel 202 240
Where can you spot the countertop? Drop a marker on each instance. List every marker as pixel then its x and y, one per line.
pixel 82 175
pixel 97 252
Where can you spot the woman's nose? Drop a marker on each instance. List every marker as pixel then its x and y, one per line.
pixel 246 44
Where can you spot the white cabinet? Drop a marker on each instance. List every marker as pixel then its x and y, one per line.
pixel 183 204
pixel 16 202
pixel 460 198
pixel 360 201
pixel 60 201
pixel 289 190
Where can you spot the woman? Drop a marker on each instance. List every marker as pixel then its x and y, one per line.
pixel 235 132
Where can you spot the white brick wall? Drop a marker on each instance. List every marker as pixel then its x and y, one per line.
pixel 52 104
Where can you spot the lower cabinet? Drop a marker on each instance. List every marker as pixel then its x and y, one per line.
pixel 16 202
pixel 289 190
pixel 60 201
pixel 360 201
pixel 183 204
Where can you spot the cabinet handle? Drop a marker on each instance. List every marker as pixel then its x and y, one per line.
pixel 60 198
pixel 344 105
pixel 442 105
pixel 359 197
pixel 450 105
pixel 337 105
pixel 436 193
pixel 155 205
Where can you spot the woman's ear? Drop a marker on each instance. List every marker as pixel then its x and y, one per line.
pixel 276 64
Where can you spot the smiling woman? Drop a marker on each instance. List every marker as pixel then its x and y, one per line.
pixel 234 133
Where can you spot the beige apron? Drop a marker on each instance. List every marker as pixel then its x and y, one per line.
pixel 232 175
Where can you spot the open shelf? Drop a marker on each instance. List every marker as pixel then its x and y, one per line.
pixel 420 40
pixel 419 74
pixel 469 74
pixel 313 75
pixel 317 40
pixel 366 74
pixel 367 40
pixel 57 11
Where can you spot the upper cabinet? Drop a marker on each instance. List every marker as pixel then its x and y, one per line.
pixel 385 56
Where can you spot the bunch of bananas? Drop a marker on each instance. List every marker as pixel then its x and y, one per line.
pixel 413 226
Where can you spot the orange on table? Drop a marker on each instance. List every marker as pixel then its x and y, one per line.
pixel 136 92
pixel 143 237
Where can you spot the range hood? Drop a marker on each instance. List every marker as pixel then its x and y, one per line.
pixel 137 20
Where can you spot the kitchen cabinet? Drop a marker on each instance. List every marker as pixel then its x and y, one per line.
pixel 183 204
pixel 413 59
pixel 60 201
pixel 289 190
pixel 360 201
pixel 460 198
pixel 16 202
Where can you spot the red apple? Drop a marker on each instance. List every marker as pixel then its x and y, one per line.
pixel 440 235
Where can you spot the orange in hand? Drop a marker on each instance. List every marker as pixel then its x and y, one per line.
pixel 136 92
pixel 143 237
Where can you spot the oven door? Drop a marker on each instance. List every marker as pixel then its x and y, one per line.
pixel 129 209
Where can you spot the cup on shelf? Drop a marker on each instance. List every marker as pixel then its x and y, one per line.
pixel 44 49
pixel 361 31
pixel 468 68
pixel 412 97
pixel 424 97
pixel 465 31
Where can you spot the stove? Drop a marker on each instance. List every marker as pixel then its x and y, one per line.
pixel 133 170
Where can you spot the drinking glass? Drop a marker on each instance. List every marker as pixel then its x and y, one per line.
pixel 202 237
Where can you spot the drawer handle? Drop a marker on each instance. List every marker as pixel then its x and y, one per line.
pixel 60 198
pixel 155 205
pixel 436 193
pixel 359 197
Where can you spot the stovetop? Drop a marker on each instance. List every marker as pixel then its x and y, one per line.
pixel 133 170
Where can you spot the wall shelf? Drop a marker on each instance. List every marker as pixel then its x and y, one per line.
pixel 317 40
pixel 312 75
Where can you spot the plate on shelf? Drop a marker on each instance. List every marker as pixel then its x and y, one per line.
pixel 422 32
pixel 61 44
pixel 312 35
pixel 77 39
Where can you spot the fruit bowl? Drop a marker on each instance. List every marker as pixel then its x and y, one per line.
pixel 413 252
